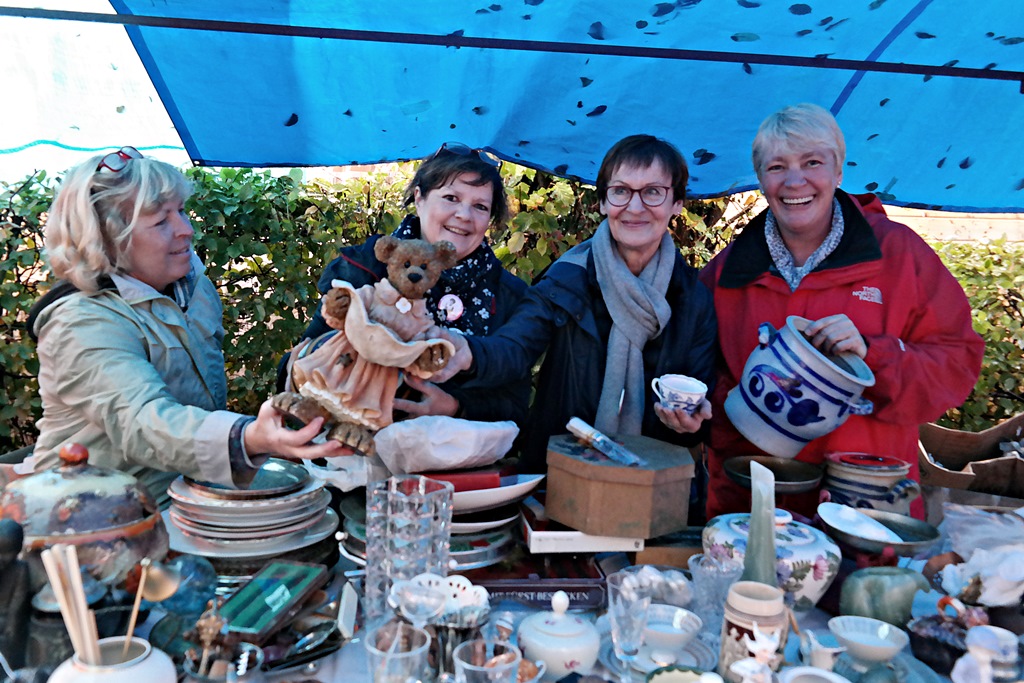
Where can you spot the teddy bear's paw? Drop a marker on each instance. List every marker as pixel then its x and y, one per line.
pixel 300 409
pixel 433 359
pixel 335 307
pixel 355 436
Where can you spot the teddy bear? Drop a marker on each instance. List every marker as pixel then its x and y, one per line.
pixel 383 329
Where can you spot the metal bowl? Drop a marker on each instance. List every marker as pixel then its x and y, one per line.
pixel 791 476
pixel 916 535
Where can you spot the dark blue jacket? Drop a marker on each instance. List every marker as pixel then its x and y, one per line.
pixel 565 315
pixel 359 266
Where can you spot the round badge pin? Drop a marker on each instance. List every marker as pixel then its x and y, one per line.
pixel 452 306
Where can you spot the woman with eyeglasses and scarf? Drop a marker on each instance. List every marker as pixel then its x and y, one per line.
pixel 458 194
pixel 612 314
pixel 129 340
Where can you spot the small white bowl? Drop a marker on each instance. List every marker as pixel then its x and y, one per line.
pixel 868 640
pixel 670 628
pixel 810 674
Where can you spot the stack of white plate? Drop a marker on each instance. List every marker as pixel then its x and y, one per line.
pixel 284 509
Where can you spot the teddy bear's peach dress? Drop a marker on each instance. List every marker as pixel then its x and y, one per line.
pixel 355 373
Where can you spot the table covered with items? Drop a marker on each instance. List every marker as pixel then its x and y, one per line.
pixel 482 574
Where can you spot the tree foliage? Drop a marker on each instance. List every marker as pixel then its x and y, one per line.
pixel 265 239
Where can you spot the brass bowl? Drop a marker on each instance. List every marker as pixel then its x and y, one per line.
pixel 791 476
pixel 916 535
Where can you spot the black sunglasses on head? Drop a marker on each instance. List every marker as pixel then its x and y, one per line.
pixel 464 150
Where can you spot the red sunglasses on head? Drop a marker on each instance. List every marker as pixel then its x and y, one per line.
pixel 116 161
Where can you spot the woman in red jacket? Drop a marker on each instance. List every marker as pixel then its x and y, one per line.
pixel 870 286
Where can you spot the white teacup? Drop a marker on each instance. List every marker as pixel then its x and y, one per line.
pixel 679 391
pixel 669 629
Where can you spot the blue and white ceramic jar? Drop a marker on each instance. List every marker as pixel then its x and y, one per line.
pixel 791 393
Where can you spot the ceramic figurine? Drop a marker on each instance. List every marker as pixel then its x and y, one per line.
pixel 986 646
pixel 758 667
pixel 15 594
pixel 820 651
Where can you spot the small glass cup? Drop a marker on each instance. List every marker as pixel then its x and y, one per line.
pixel 712 579
pixel 628 602
pixel 397 653
pixel 486 661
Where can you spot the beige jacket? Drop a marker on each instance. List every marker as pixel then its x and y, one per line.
pixel 137 381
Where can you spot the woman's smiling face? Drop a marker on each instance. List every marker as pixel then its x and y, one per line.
pixel 799 186
pixel 458 212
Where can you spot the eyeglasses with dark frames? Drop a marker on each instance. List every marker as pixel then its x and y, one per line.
pixel 116 161
pixel 464 150
pixel 652 195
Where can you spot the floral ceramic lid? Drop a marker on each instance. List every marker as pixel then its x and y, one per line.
pixel 787 532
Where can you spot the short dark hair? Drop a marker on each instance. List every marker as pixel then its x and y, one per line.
pixel 642 151
pixel 439 170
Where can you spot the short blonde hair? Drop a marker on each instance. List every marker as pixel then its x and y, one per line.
pixel 94 212
pixel 798 127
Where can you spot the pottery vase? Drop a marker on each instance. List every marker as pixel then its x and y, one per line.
pixel 806 560
pixel 791 393
pixel 875 482
pixel 143 663
pixel 751 603
pixel 885 593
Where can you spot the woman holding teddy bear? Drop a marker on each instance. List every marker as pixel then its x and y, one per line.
pixel 458 194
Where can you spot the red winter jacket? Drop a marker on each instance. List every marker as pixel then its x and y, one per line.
pixel 909 308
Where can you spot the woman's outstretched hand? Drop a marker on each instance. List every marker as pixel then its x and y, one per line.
pixel 268 434
pixel 678 420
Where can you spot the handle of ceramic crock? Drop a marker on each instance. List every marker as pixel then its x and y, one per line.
pixel 904 488
pixel 766 334
pixel 861 406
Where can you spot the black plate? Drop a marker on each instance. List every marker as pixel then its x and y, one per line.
pixel 791 476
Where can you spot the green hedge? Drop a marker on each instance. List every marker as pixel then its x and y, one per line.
pixel 266 238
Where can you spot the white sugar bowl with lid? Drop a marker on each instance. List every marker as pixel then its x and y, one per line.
pixel 564 642
pixel 806 559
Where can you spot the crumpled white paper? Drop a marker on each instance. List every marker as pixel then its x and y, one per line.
pixel 435 442
pixel 1000 571
pixel 992 545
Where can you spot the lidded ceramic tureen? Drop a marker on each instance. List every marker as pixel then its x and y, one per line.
pixel 806 559
pixel 564 642
pixel 107 514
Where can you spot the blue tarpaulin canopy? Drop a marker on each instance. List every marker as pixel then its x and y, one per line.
pixel 928 93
